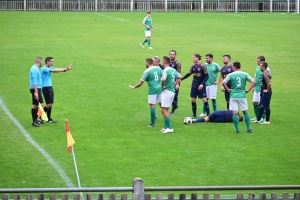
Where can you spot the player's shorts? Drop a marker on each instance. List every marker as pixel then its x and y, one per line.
pixel 154 98
pixel 211 91
pixel 167 98
pixel 147 33
pixel 34 101
pixel 265 102
pixel 256 97
pixel 227 95
pixel 48 94
pixel 198 93
pixel 235 102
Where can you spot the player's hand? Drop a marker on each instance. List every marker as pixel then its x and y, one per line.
pixel 36 96
pixel 69 67
pixel 246 91
pixel 252 90
pixel 216 82
pixel 177 87
pixel 265 91
pixel 223 89
pixel 229 90
pixel 130 86
pixel 200 87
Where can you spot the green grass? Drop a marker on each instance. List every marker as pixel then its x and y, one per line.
pixel 108 120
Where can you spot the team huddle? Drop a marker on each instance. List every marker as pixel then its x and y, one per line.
pixel 164 82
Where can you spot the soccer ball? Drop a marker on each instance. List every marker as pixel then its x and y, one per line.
pixel 188 120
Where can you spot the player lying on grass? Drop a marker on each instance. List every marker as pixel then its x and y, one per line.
pixel 219 116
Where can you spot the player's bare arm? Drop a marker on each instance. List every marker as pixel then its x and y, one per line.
pixel 62 69
pixel 177 83
pixel 179 67
pixel 251 86
pixel 225 86
pixel 139 84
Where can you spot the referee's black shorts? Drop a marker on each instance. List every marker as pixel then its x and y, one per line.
pixel 34 101
pixel 48 94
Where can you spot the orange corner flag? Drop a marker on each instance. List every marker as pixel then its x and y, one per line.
pixel 70 139
pixel 42 113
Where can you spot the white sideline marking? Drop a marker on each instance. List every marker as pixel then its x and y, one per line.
pixel 37 146
pixel 113 17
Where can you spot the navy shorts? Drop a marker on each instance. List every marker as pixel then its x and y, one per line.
pixel 265 102
pixel 198 93
pixel 34 101
pixel 48 94
pixel 227 95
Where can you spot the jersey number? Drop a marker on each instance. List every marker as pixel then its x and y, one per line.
pixel 239 83
pixel 155 76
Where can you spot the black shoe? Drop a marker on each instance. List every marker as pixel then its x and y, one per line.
pixel 250 131
pixel 35 124
pixel 237 132
pixel 51 121
pixel 41 121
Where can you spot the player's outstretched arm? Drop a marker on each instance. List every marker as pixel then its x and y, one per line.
pixel 139 84
pixel 61 69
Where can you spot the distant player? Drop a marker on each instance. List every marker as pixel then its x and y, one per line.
pixel 219 116
pixel 48 91
pixel 198 88
pixel 227 69
pixel 174 63
pixel 257 89
pixel 170 78
pixel 237 92
pixel 211 84
pixel 153 76
pixel 147 23
pixel 266 93
pixel 35 89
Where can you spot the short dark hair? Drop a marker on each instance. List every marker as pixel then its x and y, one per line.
pixel 264 64
pixel 237 65
pixel 241 118
pixel 228 56
pixel 198 56
pixel 166 59
pixel 173 51
pixel 148 12
pixel 261 58
pixel 209 55
pixel 48 59
pixel 149 60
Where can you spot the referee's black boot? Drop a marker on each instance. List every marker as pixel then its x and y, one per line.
pixel 35 124
pixel 41 121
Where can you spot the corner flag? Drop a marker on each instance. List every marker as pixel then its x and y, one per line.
pixel 42 113
pixel 70 139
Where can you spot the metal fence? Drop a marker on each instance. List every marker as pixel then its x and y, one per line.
pixel 155 5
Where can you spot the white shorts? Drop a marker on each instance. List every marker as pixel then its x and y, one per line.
pixel 211 91
pixel 167 98
pixel 154 98
pixel 235 102
pixel 256 97
pixel 147 33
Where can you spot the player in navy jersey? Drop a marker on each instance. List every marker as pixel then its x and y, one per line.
pixel 227 69
pixel 174 63
pixel 219 116
pixel 198 88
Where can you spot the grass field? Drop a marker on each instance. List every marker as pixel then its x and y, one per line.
pixel 108 120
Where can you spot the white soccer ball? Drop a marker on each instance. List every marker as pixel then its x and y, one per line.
pixel 188 120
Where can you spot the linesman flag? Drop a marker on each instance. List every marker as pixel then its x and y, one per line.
pixel 70 139
pixel 42 113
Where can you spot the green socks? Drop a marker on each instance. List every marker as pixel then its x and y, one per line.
pixel 247 120
pixel 256 110
pixel 168 123
pixel 236 122
pixel 145 41
pixel 214 103
pixel 152 114
pixel 149 43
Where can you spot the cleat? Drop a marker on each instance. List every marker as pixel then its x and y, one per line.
pixel 253 119
pixel 35 124
pixel 168 130
pixel 202 115
pixel 237 132
pixel 141 45
pixel 173 110
pixel 262 120
pixel 193 121
pixel 151 125
pixel 250 131
pixel 265 122
pixel 41 121
pixel 150 48
pixel 51 121
pixel 162 130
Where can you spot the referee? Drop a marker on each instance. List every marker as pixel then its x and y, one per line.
pixel 35 89
pixel 47 84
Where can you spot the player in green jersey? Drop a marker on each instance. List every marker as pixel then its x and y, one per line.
pixel 153 76
pixel 147 23
pixel 170 78
pixel 257 89
pixel 211 84
pixel 237 92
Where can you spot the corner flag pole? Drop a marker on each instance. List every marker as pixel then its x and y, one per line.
pixel 76 170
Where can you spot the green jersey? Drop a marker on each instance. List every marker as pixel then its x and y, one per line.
pixel 258 78
pixel 212 70
pixel 171 75
pixel 238 80
pixel 153 76
pixel 148 22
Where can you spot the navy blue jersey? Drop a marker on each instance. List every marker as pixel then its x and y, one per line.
pixel 162 67
pixel 221 116
pixel 176 65
pixel 225 71
pixel 200 75
pixel 228 114
pixel 266 79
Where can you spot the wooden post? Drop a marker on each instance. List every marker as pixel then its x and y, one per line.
pixel 135 196
pixel 159 197
pixel 100 197
pixel 251 196
pixel 239 196
pixel 29 197
pixel 297 195
pixel 53 197
pixel 138 187
pixel 182 197
pixel 111 197
pixel 217 196
pixel 147 196
pixel 5 197
pixel 170 196
pixel 236 6
pixel 271 5
pixel 42 197
pixel 64 197
pixel 194 196
pixel 285 196
pixel 17 197
pixel 262 196
pixel 88 196
pixel 273 196
pixel 76 197
pixel 123 197
pixel 205 196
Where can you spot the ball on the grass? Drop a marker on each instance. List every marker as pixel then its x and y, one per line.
pixel 188 120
